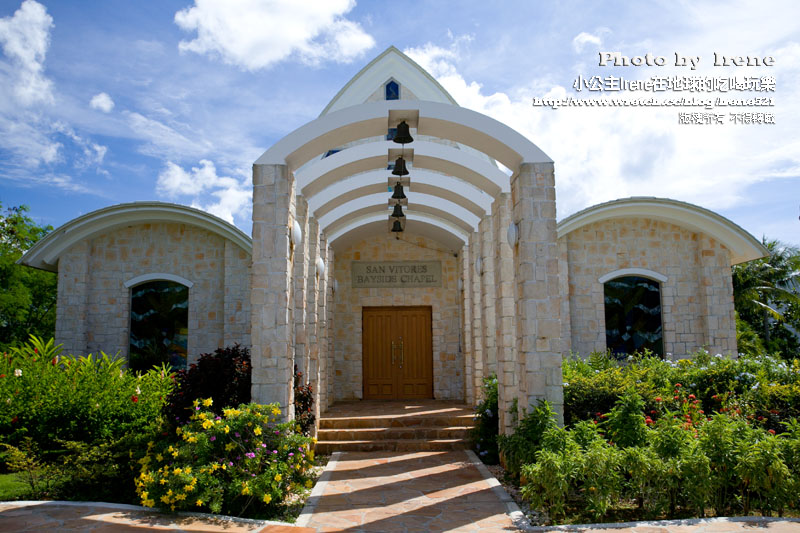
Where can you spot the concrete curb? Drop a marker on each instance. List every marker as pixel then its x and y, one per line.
pixel 512 509
pixel 317 491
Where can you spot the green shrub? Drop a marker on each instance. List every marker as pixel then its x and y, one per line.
pixel 243 463
pixel 626 422
pixel 224 376
pixel 521 447
pixel 52 398
pixel 487 423
pixel 303 404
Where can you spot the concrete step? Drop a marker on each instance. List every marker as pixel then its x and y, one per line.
pixel 395 422
pixel 395 433
pixel 404 445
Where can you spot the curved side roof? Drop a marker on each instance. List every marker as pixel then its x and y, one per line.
pixel 45 253
pixel 391 64
pixel 742 245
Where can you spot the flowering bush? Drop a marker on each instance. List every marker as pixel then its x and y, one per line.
pixel 241 463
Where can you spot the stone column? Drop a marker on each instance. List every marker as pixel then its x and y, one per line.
pixel 563 275
pixel 72 306
pixel 312 296
pixel 331 356
pixel 539 342
pixel 489 324
pixel 322 310
pixel 505 331
pixel 716 289
pixel 271 287
pixel 466 324
pixel 301 348
pixel 477 316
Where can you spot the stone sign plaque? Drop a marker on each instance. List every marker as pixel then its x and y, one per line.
pixel 401 274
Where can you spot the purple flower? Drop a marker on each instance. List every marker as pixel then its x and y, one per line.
pixel 237 434
pixel 197 408
pixel 218 418
pixel 263 445
pixel 250 455
pixel 291 454
pixel 212 438
pixel 274 451
pixel 277 432
pixel 230 463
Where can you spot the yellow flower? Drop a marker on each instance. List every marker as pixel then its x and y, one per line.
pixel 165 498
pixel 227 429
pixel 208 424
pixel 192 439
pixel 278 477
pixel 180 496
pixel 188 488
pixel 224 467
pixel 230 446
pixel 162 481
pixel 267 498
pixel 199 502
pixel 309 483
pixel 178 430
pixel 196 403
pixel 276 411
pixel 177 471
pixel 149 503
pixel 159 457
pixel 144 495
pixel 207 402
pixel 188 469
pixel 257 431
pixel 245 489
pixel 175 453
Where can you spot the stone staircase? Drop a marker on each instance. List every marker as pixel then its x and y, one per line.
pixel 413 425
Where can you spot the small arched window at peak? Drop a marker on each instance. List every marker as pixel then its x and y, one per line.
pixel 392 90
pixel 633 315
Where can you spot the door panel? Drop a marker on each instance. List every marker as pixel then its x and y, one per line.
pixel 397 353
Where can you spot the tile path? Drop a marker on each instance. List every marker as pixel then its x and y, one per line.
pixel 361 491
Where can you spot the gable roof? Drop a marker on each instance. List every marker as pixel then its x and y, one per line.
pixel 391 64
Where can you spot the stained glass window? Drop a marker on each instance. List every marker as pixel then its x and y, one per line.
pixel 633 315
pixel 392 91
pixel 159 325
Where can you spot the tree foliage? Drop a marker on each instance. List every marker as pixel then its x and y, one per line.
pixel 766 294
pixel 27 295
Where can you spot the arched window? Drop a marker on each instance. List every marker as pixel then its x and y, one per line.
pixel 633 315
pixel 392 91
pixel 159 324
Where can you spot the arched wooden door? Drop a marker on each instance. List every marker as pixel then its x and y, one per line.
pixel 397 350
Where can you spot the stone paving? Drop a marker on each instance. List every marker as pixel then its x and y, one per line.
pixel 406 492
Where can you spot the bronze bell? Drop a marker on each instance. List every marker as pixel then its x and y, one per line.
pixel 398 193
pixel 403 136
pixel 398 211
pixel 397 227
pixel 400 167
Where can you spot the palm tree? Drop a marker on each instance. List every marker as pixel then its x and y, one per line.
pixel 767 290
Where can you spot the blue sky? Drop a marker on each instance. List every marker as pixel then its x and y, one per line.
pixel 104 102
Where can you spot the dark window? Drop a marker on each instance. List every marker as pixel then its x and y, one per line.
pixel 392 91
pixel 633 315
pixel 159 325
pixel 391 133
pixel 330 153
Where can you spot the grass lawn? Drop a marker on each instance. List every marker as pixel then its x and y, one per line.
pixel 11 488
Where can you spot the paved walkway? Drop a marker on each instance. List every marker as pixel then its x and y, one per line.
pixel 407 492
pixel 365 491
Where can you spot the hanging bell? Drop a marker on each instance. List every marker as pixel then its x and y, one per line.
pixel 397 227
pixel 398 193
pixel 403 136
pixel 398 211
pixel 400 167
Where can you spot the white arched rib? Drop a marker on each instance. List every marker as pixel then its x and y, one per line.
pixel 320 175
pixel 458 234
pixel 450 188
pixel 435 119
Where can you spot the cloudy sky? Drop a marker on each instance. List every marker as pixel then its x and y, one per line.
pixel 111 101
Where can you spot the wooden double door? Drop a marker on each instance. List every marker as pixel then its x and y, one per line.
pixel 397 353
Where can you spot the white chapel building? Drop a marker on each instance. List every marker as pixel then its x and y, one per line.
pixel 478 277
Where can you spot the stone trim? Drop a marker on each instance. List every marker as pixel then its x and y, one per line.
pixel 643 272
pixel 158 276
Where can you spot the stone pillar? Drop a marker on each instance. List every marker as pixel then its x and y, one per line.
pixel 301 348
pixel 489 324
pixel 236 320
pixel 716 289
pixel 539 342
pixel 563 276
pixel 331 356
pixel 312 296
pixel 477 328
pixel 505 331
pixel 322 310
pixel 466 324
pixel 73 300
pixel 271 287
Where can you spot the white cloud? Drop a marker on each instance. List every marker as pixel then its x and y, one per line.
pixel 603 154
pixel 584 38
pixel 255 34
pixel 102 102
pixel 234 196
pixel 164 141
pixel 25 37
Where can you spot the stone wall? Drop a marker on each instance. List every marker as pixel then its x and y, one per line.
pixel 697 298
pixel 448 364
pixel 93 312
